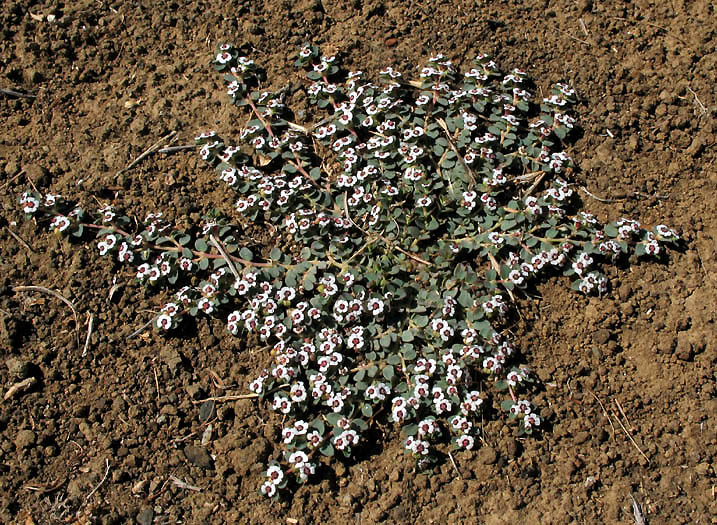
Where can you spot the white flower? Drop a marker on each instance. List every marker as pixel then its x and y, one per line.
pixel 298 392
pixel 531 420
pixel 142 271
pixel 304 470
pixel 275 474
pixel 268 489
pixel 30 205
pixel 426 427
pixel 465 442
pixel 59 223
pixel 419 447
pixel 164 322
pixel 375 306
pixel 205 305
pixel 223 57
pixel 423 202
pixel 298 457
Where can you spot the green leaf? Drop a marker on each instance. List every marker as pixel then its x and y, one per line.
pixel 245 253
pixel 275 254
pixel 204 264
pixel 201 245
pixel 465 299
pixel 408 352
pixel 367 410
pixel 333 418
pixel 393 359
pixel 358 376
pixel 318 425
pixel 360 423
pixel 388 372
pixel 409 430
pixel 508 224
pixel 327 450
pixel 421 321
pixel 407 336
pixel 507 404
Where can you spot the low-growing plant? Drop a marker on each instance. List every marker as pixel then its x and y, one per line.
pixel 406 222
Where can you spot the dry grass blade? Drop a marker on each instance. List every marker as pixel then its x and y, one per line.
pixel 637 512
pixel 600 199
pixel 627 433
pixel 154 147
pixel 469 172
pixel 605 413
pixel 89 333
pixel 223 253
pixel 19 239
pixel 183 484
pixel 174 149
pixel 453 462
pixel 53 293
pixel 45 489
pixel 107 471
pixel 703 109
pixel 141 328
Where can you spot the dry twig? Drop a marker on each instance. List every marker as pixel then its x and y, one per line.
pixel 90 324
pixel 19 387
pixel 453 462
pixel 702 107
pixel 173 149
pixel 19 239
pixel 627 433
pixel 13 93
pixel 107 471
pixel 14 177
pixel 146 153
pixel 218 246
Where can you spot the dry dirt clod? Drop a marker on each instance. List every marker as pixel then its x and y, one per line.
pixel 145 516
pixel 25 439
pixel 198 456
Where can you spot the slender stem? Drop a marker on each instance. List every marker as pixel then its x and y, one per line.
pixel 300 169
pixel 178 248
pixel 267 127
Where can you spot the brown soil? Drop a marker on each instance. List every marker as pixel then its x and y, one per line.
pixel 629 379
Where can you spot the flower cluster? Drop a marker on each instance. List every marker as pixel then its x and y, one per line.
pixel 410 214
